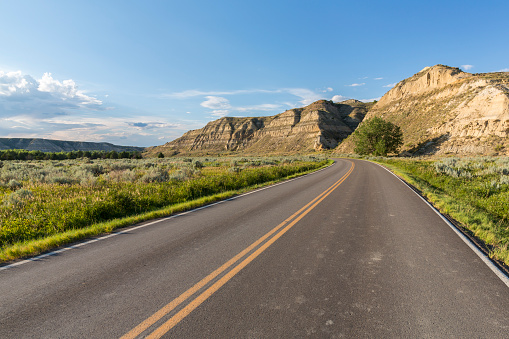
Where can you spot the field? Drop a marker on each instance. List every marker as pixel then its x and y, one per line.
pixel 46 203
pixel 474 191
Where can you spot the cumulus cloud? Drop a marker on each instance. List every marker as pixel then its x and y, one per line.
pixel 214 102
pixel 261 107
pixel 356 85
pixel 307 96
pixel 467 67
pixel 220 113
pixel 339 98
pixel 52 108
pixel 24 95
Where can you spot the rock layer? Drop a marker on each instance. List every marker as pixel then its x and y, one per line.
pixel 321 125
pixel 442 110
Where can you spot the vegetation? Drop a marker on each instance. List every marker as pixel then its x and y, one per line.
pixel 378 137
pixel 22 154
pixel 54 202
pixel 474 191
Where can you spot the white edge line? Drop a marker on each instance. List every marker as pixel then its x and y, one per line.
pixel 129 229
pixel 463 237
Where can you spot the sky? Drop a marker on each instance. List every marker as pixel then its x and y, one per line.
pixel 142 73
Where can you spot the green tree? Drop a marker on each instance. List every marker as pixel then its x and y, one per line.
pixel 378 137
pixel 160 155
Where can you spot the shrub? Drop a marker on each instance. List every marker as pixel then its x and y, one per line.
pixel 197 164
pixel 18 198
pixel 155 175
pixel 13 184
pixel 378 137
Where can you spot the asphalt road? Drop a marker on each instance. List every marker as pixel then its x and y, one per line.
pixel 349 251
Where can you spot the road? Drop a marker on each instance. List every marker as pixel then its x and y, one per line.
pixel 349 251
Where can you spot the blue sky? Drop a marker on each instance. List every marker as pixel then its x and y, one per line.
pixel 144 72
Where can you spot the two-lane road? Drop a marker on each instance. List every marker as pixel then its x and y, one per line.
pixel 349 251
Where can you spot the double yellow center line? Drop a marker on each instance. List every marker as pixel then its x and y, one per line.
pixel 193 304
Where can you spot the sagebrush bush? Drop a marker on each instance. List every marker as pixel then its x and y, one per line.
pixel 18 198
pixel 74 194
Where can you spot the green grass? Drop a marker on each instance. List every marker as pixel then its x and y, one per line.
pixel 48 204
pixel 473 191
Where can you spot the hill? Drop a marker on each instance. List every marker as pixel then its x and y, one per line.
pixel 47 145
pixel 443 110
pixel 321 125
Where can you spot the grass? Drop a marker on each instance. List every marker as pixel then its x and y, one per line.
pixel 46 204
pixel 473 191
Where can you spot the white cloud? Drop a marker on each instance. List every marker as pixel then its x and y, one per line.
pixel 356 85
pixel 378 78
pixel 216 103
pixel 391 85
pixel 220 113
pixel 339 98
pixel 308 96
pixel 261 107
pixel 370 100
pixel 24 95
pixel 467 67
pixel 504 70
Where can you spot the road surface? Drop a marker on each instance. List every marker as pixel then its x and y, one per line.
pixel 349 251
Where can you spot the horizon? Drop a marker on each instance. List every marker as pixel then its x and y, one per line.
pixel 139 74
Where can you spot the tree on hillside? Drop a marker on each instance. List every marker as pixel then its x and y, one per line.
pixel 378 137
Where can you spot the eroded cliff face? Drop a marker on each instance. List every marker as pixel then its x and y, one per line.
pixel 321 125
pixel 443 110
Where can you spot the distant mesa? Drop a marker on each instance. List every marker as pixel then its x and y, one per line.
pixel 321 125
pixel 47 145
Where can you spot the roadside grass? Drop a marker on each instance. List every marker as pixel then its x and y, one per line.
pixel 473 191
pixel 39 213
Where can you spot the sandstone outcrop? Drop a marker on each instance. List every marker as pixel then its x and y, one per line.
pixel 321 125
pixel 443 110
pixel 47 145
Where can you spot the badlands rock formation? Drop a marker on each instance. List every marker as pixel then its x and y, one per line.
pixel 443 110
pixel 321 125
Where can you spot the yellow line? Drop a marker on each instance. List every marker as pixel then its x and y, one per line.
pixel 207 293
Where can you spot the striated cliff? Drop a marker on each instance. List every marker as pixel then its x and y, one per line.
pixel 443 110
pixel 47 145
pixel 321 125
